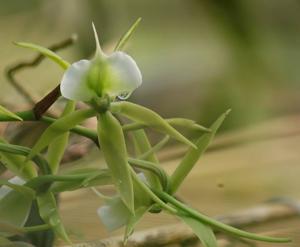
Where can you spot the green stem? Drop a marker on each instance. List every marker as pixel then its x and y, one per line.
pixel 216 224
pixel 155 148
pixel 29 116
pixel 154 197
pixel 46 179
pixel 24 151
pixel 152 167
pixel 28 229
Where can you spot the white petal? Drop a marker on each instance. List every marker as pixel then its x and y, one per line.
pixel 4 190
pixel 125 76
pixel 73 85
pixel 114 214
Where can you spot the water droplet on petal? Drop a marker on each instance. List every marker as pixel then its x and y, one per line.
pixel 124 95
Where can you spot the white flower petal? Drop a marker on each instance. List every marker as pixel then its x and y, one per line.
pixel 114 214
pixel 125 76
pixel 73 85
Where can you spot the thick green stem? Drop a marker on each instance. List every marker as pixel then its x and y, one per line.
pixel 38 228
pixel 216 224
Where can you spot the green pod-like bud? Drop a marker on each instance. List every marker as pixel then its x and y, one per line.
pixel 112 141
pixel 149 118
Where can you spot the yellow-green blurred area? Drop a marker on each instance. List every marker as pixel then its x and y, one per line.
pixel 198 58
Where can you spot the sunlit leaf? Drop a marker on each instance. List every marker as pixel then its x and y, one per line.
pixel 203 232
pixel 149 118
pixel 9 114
pixel 46 52
pixel 193 155
pixel 111 139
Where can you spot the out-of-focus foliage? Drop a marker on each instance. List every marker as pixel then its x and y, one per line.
pixel 207 55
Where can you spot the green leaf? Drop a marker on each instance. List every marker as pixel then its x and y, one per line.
pixel 133 221
pixel 193 155
pixel 149 118
pixel 7 113
pixel 57 148
pixel 16 164
pixel 121 43
pixel 143 145
pixel 24 190
pixel 59 127
pixel 49 213
pixel 203 232
pixel 46 52
pixel 15 208
pixel 112 141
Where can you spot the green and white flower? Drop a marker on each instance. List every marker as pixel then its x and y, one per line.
pixel 115 75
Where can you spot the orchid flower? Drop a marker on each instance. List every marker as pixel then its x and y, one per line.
pixel 114 75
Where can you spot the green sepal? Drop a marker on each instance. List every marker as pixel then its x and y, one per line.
pixel 148 117
pixel 112 142
pixel 46 52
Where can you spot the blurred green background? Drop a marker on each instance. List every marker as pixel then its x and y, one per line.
pixel 198 58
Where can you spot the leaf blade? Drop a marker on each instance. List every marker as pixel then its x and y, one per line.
pixel 112 141
pixel 203 232
pixel 193 155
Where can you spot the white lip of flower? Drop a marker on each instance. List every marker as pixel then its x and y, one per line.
pixel 115 75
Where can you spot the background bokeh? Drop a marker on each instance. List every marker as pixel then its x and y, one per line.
pixel 198 58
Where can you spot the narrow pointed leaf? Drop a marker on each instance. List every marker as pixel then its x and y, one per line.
pixel 7 113
pixel 187 211
pixel 46 52
pixel 49 213
pixel 111 139
pixel 122 42
pixel 15 163
pixel 149 118
pixel 133 221
pixel 57 148
pixel 60 127
pixel 143 145
pixel 193 155
pixel 203 232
